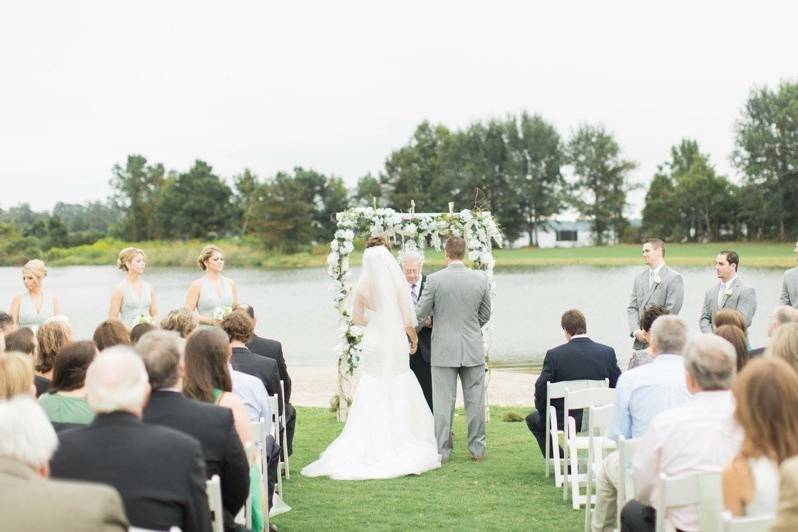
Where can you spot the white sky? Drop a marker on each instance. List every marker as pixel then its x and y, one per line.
pixel 337 85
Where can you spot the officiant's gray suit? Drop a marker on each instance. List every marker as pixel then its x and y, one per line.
pixel 743 299
pixel 459 301
pixel 669 293
pixel 789 288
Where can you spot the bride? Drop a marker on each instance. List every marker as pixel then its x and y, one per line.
pixel 390 430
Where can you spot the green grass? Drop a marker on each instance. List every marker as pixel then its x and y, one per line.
pixel 508 491
pixel 248 253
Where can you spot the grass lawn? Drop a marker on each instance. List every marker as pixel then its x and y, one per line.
pixel 508 491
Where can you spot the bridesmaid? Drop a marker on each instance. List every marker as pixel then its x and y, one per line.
pixel 34 306
pixel 211 292
pixel 132 298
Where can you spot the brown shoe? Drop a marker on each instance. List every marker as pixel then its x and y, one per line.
pixel 478 458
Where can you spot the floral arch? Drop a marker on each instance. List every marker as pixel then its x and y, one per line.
pixel 477 227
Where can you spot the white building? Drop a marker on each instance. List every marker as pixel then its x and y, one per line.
pixel 561 234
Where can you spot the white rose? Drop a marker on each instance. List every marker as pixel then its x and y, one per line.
pixel 473 255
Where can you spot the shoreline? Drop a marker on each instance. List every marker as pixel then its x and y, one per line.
pixel 313 386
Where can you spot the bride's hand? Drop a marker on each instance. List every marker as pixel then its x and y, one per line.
pixel 413 347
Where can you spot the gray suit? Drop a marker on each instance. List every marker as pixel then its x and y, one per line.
pixel 669 293
pixel 789 288
pixel 743 299
pixel 459 301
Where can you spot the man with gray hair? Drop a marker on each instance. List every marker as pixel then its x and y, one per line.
pixel 780 315
pixel 412 262
pixel 159 472
pixel 698 436
pixel 641 394
pixel 30 500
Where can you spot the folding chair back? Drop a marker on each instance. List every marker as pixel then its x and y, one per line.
pixel 626 491
pixel 598 426
pixel 275 431
pixel 284 439
pixel 213 489
pixel 701 489
pixel 759 523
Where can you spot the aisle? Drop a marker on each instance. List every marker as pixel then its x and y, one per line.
pixel 506 492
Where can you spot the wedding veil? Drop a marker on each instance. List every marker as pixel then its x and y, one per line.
pixel 384 290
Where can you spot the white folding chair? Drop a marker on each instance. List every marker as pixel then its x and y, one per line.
pixel 275 431
pixel 701 489
pixel 244 516
pixel 284 440
pixel 556 390
pixel 626 489
pixel 213 489
pixel 759 523
pixel 598 425
pixel 579 400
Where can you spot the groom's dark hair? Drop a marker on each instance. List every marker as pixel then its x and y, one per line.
pixel 573 322
pixel 455 248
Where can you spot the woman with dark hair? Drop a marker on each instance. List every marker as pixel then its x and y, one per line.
pixel 730 316
pixel 766 395
pixel 140 330
pixel 66 400
pixel 23 340
pixel 207 379
pixel 644 356
pixel 736 337
pixel 110 333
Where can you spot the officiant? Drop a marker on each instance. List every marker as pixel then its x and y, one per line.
pixel 412 261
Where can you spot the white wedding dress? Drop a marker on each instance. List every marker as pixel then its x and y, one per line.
pixel 390 430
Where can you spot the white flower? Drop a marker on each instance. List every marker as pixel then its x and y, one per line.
pixel 332 259
pixel 657 279
pixel 473 255
pixel 349 234
pixel 347 248
pixel 728 292
pixel 143 318
pixel 466 216
pixel 356 331
pixel 219 313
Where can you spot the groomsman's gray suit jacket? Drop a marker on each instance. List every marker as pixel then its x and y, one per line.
pixel 459 301
pixel 743 298
pixel 669 293
pixel 789 288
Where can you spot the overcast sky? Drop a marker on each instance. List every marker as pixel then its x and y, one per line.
pixel 337 85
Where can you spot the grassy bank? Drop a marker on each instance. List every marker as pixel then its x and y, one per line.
pixel 508 491
pixel 249 253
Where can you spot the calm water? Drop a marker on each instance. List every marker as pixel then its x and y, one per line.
pixel 295 306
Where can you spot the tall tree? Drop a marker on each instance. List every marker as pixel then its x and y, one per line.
pixel 536 178
pixel 661 217
pixel 195 204
pixel 135 188
pixel 766 151
pixel 281 216
pixel 601 180
pixel 244 197
pixel 368 191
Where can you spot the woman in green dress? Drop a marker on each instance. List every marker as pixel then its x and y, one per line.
pixel 66 400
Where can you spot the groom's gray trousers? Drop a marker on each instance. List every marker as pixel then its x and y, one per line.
pixel 444 393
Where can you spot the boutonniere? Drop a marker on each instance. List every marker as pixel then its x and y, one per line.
pixel 657 279
pixel 728 292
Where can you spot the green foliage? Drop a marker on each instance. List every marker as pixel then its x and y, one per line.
pixel 135 190
pixel 367 192
pixel 601 180
pixel 766 151
pixel 507 492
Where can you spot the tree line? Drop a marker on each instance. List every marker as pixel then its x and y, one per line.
pixel 519 167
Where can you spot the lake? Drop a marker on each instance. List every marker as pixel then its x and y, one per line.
pixel 295 306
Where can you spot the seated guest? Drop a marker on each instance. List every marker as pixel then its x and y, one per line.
pixel 578 358
pixel 207 379
pixel 274 350
pixel 30 500
pixel 787 513
pixel 182 321
pixel 781 315
pixel 23 340
pixel 736 337
pixel 139 330
pixel 66 400
pixel 51 336
pixel 784 345
pixel 730 316
pixel 766 396
pixel 698 436
pixel 7 325
pixel 212 426
pixel 239 326
pixel 643 356
pixel 642 393
pixel 16 375
pixel 158 471
pixel 110 333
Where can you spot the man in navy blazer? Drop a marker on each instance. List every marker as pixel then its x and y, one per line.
pixel 578 358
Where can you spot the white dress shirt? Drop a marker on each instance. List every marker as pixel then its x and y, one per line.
pixel 723 288
pixel 652 273
pixel 253 393
pixel 698 436
pixel 645 391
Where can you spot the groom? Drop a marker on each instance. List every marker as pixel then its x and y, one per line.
pixel 459 301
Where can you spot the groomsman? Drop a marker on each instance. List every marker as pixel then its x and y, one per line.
pixel 729 293
pixel 789 287
pixel 656 285
pixel 412 262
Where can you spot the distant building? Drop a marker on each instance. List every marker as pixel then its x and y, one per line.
pixel 560 234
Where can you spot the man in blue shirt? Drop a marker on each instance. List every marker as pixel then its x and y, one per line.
pixel 641 394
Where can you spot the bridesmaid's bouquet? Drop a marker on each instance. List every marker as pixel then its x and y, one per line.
pixel 143 318
pixel 219 313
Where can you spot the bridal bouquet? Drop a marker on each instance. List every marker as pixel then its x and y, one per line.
pixel 219 313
